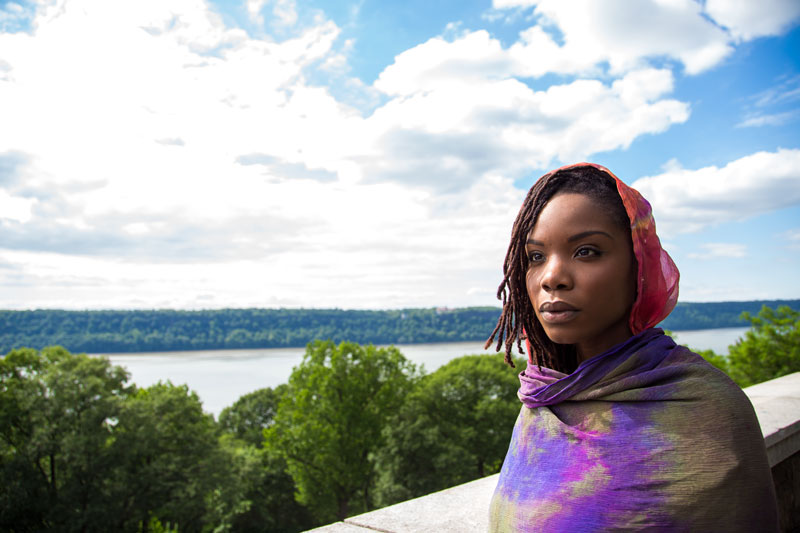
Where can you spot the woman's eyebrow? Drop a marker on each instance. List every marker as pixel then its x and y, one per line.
pixel 576 237
pixel 583 234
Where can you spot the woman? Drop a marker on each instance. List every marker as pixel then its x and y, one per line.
pixel 620 429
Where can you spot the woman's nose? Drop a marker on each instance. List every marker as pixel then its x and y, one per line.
pixel 556 275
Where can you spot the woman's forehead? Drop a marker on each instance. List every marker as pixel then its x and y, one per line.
pixel 574 209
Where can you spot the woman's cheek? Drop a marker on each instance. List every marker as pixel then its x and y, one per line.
pixel 531 285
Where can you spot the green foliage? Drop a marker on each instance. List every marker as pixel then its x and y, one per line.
pixel 82 451
pixel 57 413
pixel 155 526
pixel 251 414
pixel 330 420
pixel 770 349
pixel 168 460
pixel 355 427
pixel 454 427
pixel 264 492
pixel 263 486
pixel 710 315
pixel 165 330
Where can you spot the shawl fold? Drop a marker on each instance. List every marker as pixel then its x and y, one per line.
pixel 646 436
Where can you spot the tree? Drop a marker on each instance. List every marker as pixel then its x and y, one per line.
pixel 454 427
pixel 251 414
pixel 82 451
pixel 168 459
pixel 770 349
pixel 57 413
pixel 329 423
pixel 261 475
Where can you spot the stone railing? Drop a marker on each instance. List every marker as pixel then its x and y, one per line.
pixel 464 508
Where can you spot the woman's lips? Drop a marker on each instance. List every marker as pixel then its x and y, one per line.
pixel 557 312
pixel 557 317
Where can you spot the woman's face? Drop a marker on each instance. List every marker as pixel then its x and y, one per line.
pixel 581 274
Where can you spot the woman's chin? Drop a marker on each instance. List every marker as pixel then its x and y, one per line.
pixel 560 337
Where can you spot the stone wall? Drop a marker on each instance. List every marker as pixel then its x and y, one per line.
pixel 786 476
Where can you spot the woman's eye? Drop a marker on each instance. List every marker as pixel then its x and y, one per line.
pixel 535 257
pixel 586 252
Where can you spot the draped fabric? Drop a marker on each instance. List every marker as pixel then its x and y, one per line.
pixel 646 436
pixel 657 282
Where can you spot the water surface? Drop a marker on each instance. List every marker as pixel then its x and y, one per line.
pixel 220 377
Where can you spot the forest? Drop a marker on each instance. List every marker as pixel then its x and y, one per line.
pixel 355 428
pixel 168 330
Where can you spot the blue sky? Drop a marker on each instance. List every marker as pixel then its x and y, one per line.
pixel 280 153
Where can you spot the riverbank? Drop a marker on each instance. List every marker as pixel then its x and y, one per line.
pixel 220 377
pixel 134 331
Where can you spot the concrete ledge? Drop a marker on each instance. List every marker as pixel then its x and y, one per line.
pixel 777 405
pixel 465 508
pixel 454 510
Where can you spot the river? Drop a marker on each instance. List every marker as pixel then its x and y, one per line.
pixel 220 377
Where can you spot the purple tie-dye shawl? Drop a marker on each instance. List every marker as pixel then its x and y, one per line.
pixel 645 436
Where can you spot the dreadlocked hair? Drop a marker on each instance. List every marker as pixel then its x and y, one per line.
pixel 518 317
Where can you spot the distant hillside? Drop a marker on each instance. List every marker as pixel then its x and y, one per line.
pixel 710 315
pixel 166 330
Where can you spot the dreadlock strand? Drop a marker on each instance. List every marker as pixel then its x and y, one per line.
pixel 517 321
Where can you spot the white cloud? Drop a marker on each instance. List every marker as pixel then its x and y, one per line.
pixel 160 158
pixel 14 16
pixel 623 33
pixel 254 8
pixel 285 11
pixel 458 127
pixel 459 110
pixel 773 119
pixel 787 90
pixel 15 208
pixel 183 158
pixel 719 250
pixel 765 107
pixel 150 125
pixel 792 236
pixel 506 4
pixel 626 33
pixel 734 290
pixel 437 62
pixel 747 19
pixel 689 200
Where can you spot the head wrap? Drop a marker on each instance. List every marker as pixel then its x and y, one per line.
pixel 657 277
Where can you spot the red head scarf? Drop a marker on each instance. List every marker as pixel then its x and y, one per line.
pixel 657 281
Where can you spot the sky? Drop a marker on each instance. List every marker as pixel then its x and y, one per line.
pixel 191 154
